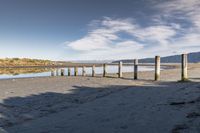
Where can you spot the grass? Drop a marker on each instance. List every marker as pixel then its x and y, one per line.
pixel 24 62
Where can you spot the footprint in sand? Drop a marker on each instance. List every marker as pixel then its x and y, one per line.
pixel 180 127
pixel 193 115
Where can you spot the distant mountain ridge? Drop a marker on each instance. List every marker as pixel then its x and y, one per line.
pixel 192 58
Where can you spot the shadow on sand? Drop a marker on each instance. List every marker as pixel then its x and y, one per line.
pixel 106 109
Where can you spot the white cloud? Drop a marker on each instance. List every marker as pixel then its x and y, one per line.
pixel 164 37
pixel 122 50
pixel 90 42
pixel 187 10
pixel 159 34
pixel 102 37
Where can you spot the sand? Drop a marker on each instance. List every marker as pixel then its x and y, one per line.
pixel 102 105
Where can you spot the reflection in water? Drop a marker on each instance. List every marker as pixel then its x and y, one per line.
pixel 17 71
pixel 7 73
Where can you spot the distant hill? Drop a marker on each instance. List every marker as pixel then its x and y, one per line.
pixel 192 58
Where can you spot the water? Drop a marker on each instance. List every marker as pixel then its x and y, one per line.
pixel 44 72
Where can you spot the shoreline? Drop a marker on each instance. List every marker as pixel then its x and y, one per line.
pixel 107 104
pixel 173 65
pixel 37 71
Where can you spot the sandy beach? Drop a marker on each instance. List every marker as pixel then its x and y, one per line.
pixel 102 105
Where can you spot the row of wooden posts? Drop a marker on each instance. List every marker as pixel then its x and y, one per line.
pixel 184 66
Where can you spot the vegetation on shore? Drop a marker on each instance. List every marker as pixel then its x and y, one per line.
pixel 24 62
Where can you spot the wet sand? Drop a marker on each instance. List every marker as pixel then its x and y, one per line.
pixel 96 104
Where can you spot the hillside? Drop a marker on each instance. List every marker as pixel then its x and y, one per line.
pixel 192 58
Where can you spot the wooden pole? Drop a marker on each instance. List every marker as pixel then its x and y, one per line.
pixel 76 71
pixel 136 69
pixel 52 73
pixel 184 75
pixel 157 68
pixel 93 71
pixel 62 72
pixel 69 71
pixel 57 72
pixel 83 71
pixel 120 70
pixel 104 70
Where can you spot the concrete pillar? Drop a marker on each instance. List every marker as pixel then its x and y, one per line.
pixel 104 70
pixel 93 71
pixel 136 69
pixel 120 70
pixel 157 68
pixel 184 66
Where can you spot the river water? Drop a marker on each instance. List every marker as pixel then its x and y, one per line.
pixel 45 72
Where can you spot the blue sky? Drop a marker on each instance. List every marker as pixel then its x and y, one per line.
pixel 98 29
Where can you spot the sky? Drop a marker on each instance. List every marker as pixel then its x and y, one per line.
pixel 98 29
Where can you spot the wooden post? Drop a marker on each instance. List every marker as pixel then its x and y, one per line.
pixel 83 71
pixel 157 68
pixel 57 72
pixel 75 71
pixel 62 72
pixel 93 71
pixel 120 70
pixel 184 75
pixel 104 70
pixel 69 71
pixel 52 73
pixel 136 69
